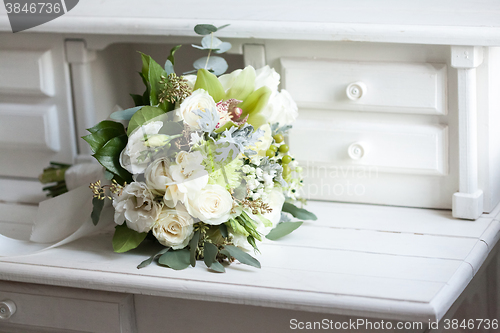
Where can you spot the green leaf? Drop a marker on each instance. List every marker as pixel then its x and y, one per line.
pixel 297 212
pixel 108 175
pixel 106 124
pixel 223 26
pixel 109 157
pixel 138 100
pixel 251 241
pixel 99 138
pixel 145 114
pixel 244 84
pixel 178 259
pixel 205 29
pixel 223 230
pixel 154 77
pixel 255 101
pixel 97 205
pixel 169 67
pixel 172 52
pixel 125 114
pixel 217 266
pixel 283 229
pixel 193 245
pixel 209 253
pixel 148 261
pixel 209 82
pixel 241 256
pixel 126 239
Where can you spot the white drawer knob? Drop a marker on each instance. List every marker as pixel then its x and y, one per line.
pixel 356 90
pixel 7 309
pixel 356 151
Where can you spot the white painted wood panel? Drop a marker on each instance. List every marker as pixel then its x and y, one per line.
pixel 375 147
pixel 29 127
pixel 44 307
pixel 366 86
pixel 24 72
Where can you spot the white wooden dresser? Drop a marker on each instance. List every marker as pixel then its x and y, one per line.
pixel 399 105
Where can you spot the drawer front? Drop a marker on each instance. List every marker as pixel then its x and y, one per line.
pixel 65 309
pixel 407 149
pixel 415 88
pixel 29 127
pixel 26 73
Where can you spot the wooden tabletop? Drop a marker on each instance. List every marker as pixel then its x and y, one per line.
pixel 364 260
pixel 448 22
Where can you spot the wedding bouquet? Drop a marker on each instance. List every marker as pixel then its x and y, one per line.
pixel 200 164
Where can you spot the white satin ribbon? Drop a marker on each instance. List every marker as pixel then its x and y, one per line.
pixel 65 218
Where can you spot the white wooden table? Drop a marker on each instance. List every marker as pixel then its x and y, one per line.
pixel 359 261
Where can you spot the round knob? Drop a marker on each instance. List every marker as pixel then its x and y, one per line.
pixel 7 309
pixel 356 151
pixel 356 90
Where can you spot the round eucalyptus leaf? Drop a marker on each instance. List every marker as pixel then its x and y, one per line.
pixel 210 42
pixel 223 47
pixel 204 29
pixel 216 65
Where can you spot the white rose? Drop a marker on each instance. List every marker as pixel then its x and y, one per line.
pixel 275 200
pixel 281 108
pixel 137 207
pixel 199 100
pixel 174 227
pixel 211 205
pixel 188 177
pixel 267 76
pixel 133 158
pixel 157 175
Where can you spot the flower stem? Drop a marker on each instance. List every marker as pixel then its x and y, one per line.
pixel 209 51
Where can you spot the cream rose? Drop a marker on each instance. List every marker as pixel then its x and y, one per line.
pixel 267 76
pixel 174 227
pixel 157 175
pixel 187 178
pixel 211 205
pixel 137 207
pixel 134 158
pixel 199 100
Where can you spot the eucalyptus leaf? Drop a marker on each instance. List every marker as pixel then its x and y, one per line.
pixel 204 29
pixel 145 114
pixel 241 256
pixel 210 42
pixel 283 229
pixel 223 26
pixel 97 205
pixel 297 212
pixel 193 245
pixel 223 230
pixel 126 239
pixel 209 253
pixel 108 175
pixel 215 64
pixel 176 259
pixel 169 67
pixel 217 266
pixel 148 261
pixel 223 47
pixel 125 114
pixel 109 157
